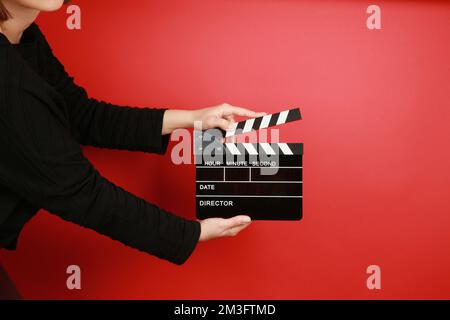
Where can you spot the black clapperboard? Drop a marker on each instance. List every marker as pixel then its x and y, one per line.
pixel 261 180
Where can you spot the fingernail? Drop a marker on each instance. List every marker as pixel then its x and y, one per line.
pixel 246 220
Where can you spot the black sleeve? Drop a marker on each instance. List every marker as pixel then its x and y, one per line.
pixel 41 162
pixel 101 124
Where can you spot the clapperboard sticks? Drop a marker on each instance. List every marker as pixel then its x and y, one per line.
pixel 263 180
pixel 266 121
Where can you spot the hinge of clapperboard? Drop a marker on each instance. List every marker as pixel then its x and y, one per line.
pixel 203 139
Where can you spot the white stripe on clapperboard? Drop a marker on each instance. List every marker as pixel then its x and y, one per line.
pixel 282 117
pixel 265 121
pixel 285 148
pixel 248 125
pixel 232 148
pixel 267 148
pixel 250 148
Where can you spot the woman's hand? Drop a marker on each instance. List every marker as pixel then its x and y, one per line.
pixel 217 227
pixel 221 116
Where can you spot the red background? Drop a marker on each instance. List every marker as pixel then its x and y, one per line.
pixel 376 133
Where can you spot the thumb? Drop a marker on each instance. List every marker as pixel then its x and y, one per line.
pixel 221 123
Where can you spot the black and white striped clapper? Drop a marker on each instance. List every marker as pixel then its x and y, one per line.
pixel 262 180
pixel 266 121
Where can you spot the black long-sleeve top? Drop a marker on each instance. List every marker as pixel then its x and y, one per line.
pixel 44 117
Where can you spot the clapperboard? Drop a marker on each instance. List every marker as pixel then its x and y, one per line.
pixel 262 180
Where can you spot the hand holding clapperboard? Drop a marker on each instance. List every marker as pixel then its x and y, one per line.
pixel 261 180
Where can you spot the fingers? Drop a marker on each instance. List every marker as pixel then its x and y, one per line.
pixel 212 228
pixel 223 116
pixel 235 230
pixel 243 112
pixel 246 112
pixel 237 221
pixel 234 225
pixel 229 117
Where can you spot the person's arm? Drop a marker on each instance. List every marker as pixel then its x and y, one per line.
pixel 41 162
pixel 102 124
pixel 220 116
